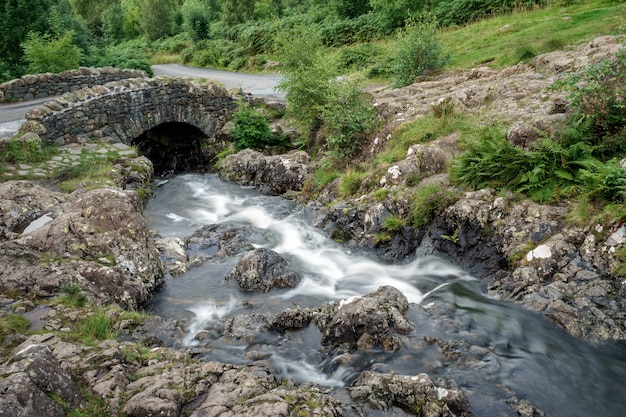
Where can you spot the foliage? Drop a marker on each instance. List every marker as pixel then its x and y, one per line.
pixel 19 151
pixel 49 54
pixel 73 296
pixel 95 328
pixel 458 12
pixel 598 99
pixel 428 202
pixel 307 79
pixel 252 129
pixel 347 117
pixel 349 9
pixel 12 324
pixel 418 50
pixel 156 20
pixel 351 181
pixel 364 28
pixel 196 19
pixel 131 54
pixel 548 171
pixel 394 13
pixel 393 223
pixel 319 100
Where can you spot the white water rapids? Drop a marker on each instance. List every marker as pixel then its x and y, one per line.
pixel 505 350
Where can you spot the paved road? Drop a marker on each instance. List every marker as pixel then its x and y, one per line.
pixel 12 114
pixel 257 84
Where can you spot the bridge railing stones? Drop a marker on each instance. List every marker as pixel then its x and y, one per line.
pixel 30 87
pixel 121 111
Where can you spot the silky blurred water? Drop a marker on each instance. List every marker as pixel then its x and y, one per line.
pixel 506 350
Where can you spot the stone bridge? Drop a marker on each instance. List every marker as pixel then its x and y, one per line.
pixel 163 116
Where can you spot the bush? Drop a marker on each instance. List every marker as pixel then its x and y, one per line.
pixel 358 57
pixel 548 171
pixel 459 12
pixel 598 99
pixel 252 129
pixel 429 201
pixel 347 118
pixel 344 32
pixel 418 50
pixel 49 54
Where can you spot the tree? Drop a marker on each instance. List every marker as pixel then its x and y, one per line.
pixel 156 19
pixel 237 11
pixel 22 17
pixel 197 19
pixel 394 13
pixel 349 9
pixel 45 53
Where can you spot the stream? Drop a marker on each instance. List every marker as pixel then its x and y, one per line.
pixel 497 350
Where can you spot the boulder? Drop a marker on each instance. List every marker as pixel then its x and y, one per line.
pixel 28 380
pixel 263 269
pixel 274 175
pixel 99 241
pixel 415 393
pixel 362 322
pixel 21 202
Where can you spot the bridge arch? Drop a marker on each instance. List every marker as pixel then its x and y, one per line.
pixel 122 111
pixel 141 112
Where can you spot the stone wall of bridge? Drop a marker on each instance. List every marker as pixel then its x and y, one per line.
pixel 30 87
pixel 121 111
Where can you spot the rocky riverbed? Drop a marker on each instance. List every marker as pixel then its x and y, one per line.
pixel 97 244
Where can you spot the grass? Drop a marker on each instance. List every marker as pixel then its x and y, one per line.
pixel 13 324
pixel 428 201
pixel 92 171
pixel 423 130
pixel 94 328
pixel 494 41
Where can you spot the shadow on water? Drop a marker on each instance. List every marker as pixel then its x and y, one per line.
pixel 494 350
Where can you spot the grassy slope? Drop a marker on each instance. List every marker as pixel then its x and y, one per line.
pixel 499 40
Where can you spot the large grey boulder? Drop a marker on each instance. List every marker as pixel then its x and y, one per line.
pixel 263 269
pixel 360 323
pixel 274 175
pixel 417 393
pixel 28 380
pixel 98 240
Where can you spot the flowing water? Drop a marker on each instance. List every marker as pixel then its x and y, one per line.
pixel 499 350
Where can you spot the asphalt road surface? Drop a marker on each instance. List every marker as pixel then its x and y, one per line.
pixel 12 114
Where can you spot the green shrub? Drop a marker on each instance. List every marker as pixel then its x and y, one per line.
pixel 19 151
pixel 548 171
pixel 359 56
pixel 458 12
pixel 429 201
pixel 51 54
pixel 597 96
pixel 418 50
pixel 348 117
pixel 252 129
pixel 73 295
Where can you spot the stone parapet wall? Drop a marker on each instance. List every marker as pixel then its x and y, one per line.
pixel 30 87
pixel 121 111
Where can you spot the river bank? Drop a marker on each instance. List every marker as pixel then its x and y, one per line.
pixel 97 250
